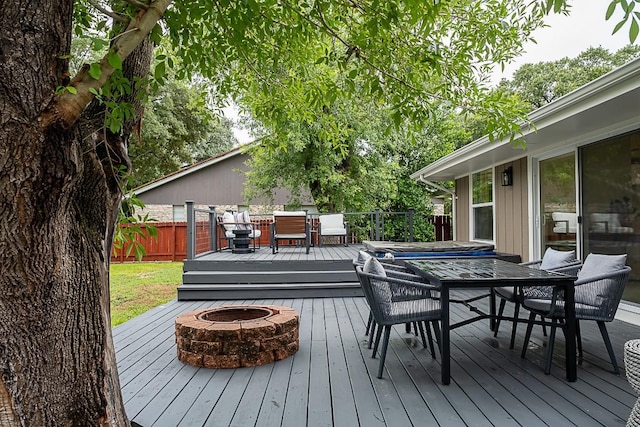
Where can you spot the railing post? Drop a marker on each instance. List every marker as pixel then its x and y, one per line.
pixel 411 214
pixel 377 227
pixel 191 237
pixel 213 229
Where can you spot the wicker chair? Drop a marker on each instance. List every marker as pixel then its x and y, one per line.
pixel 377 288
pixel 598 292
pixel 401 272
pixel 551 261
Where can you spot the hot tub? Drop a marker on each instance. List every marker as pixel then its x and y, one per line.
pixel 445 249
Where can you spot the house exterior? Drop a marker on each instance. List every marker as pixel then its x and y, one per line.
pixel 575 185
pixel 217 181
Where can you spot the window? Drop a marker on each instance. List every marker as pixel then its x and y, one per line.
pixel 482 205
pixel 178 213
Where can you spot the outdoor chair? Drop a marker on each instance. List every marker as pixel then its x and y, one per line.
pixel 237 221
pixel 552 260
pixel 333 225
pixel 290 225
pixel 598 292
pixel 377 287
pixel 400 272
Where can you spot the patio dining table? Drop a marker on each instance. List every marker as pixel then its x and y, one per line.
pixel 489 273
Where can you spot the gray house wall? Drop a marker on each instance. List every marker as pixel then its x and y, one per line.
pixel 220 184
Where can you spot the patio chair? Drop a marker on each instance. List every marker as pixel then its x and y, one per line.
pixel 598 292
pixel 333 225
pixel 290 225
pixel 237 221
pixel 551 261
pixel 377 287
pixel 400 272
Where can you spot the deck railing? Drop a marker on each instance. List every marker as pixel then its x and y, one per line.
pixel 176 241
pixel 202 232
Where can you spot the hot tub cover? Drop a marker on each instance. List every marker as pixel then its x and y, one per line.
pixel 444 246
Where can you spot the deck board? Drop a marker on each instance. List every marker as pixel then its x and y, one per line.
pixel 332 379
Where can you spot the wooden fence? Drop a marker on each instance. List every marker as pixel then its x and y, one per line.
pixel 171 243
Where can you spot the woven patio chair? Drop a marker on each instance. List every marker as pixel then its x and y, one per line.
pixel 377 288
pixel 401 272
pixel 551 261
pixel 598 292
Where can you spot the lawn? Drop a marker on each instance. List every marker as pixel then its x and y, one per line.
pixel 138 287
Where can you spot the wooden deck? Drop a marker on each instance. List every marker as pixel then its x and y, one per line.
pixel 331 381
pixel 325 271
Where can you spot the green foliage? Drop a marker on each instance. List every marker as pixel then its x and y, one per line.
pixel 541 83
pixel 133 228
pixel 178 128
pixel 631 17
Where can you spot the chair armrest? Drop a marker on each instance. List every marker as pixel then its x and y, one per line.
pixel 400 282
pixel 531 263
pixel 609 275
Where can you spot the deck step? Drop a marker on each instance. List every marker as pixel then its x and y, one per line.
pixel 267 291
pixel 266 277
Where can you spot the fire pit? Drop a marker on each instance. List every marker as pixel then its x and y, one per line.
pixel 237 335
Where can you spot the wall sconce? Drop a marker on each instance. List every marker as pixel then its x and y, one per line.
pixel 507 177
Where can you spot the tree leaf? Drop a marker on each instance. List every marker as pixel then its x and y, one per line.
pixel 633 30
pixel 115 61
pixel 95 71
pixel 611 9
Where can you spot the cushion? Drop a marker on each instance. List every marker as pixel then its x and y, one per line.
pixel 239 218
pixel 554 259
pixel 332 221
pixel 363 257
pixel 229 221
pixel 373 266
pixel 598 264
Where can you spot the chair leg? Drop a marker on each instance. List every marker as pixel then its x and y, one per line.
pixel 436 331
pixel 544 327
pixel 527 335
pixel 552 339
pixel 376 344
pixel 407 328
pixel 503 302
pixel 430 338
pixel 383 351
pixel 372 332
pixel 422 336
pixel 579 342
pixel 369 321
pixel 607 343
pixel 516 312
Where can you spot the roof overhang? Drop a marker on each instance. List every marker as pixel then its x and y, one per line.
pixel 605 107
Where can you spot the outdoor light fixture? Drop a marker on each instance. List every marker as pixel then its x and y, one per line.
pixel 507 177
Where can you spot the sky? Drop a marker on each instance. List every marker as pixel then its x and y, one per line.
pixel 566 36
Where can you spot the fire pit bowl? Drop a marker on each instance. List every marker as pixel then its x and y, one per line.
pixel 235 336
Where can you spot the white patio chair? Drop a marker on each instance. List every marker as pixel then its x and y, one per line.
pixel 333 225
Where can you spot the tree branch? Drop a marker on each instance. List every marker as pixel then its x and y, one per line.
pixel 111 14
pixel 66 108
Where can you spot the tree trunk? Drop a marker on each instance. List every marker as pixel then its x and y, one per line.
pixel 59 197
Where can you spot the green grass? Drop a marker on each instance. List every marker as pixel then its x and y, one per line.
pixel 138 287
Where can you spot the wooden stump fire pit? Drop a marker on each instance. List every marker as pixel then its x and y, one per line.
pixel 237 335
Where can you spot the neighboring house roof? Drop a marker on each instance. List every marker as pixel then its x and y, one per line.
pixel 189 169
pixel 605 107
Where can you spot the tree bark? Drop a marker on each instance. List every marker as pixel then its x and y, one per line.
pixel 59 197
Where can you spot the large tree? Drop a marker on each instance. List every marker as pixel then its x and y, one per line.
pixel 63 144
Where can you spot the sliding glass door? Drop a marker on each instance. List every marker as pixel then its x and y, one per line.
pixel 558 215
pixel 610 173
